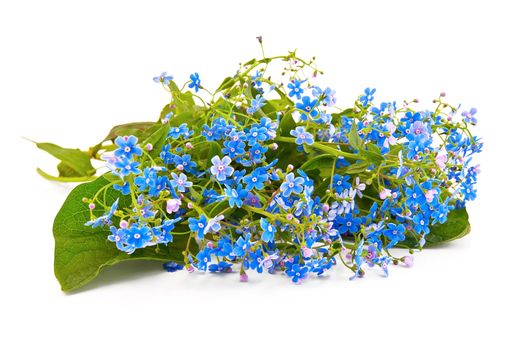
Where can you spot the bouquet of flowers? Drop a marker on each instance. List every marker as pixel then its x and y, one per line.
pixel 267 175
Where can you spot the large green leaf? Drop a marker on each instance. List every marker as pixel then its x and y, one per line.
pixel 74 162
pixel 137 129
pixel 456 226
pixel 81 252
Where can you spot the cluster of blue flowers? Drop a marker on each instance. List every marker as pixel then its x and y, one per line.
pixel 236 178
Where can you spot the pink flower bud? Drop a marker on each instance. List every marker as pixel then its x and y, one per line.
pixel 189 145
pixel 325 208
pixel 408 260
pixel 180 167
pixel 190 205
pixel 274 146
pixel 290 167
pixel 307 252
pixel 442 94
pixel 190 268
pixel 148 147
pixel 290 217
pixel 210 245
pixel 172 205
pixel 384 193
pixel 91 206
pixel 243 277
pixel 123 224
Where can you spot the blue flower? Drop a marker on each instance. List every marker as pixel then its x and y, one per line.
pixel 256 104
pixel 235 196
pixel 177 131
pixel 104 219
pixel 127 167
pixel 469 116
pixel 180 182
pixel 295 88
pixel 257 134
pixel 308 107
pixel 252 200
pixel 163 78
pixel 367 97
pixel 268 230
pixel 348 223
pixel 340 183
pixel 421 223
pixel 241 246
pixel 415 196
pixel 256 179
pixel 256 260
pixel 172 266
pixel 234 148
pixel 185 161
pixel 138 236
pixel 291 185
pixel 127 147
pixel 204 258
pixel 147 180
pixel 220 168
pixel 119 236
pixel 302 136
pixel 326 95
pixel 195 82
pixel 395 233
pixel 298 273
pixel 198 225
pixel 221 266
pixel 257 152
pixel 124 189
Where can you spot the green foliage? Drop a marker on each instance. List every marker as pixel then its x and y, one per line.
pixel 456 227
pixel 82 252
pixel 74 163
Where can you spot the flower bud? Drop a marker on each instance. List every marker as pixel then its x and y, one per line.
pixel 408 260
pixel 243 277
pixel 91 206
pixel 148 147
pixel 180 167
pixel 189 145
pixel 123 224
pixel 274 146
pixel 442 94
pixel 290 167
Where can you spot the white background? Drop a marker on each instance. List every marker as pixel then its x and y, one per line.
pixel 70 70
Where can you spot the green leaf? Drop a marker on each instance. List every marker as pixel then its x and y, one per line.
pixel 320 165
pixel 64 178
pixel 82 252
pixel 286 124
pixel 456 226
pixel 373 154
pixel 203 152
pixel 137 129
pixel 182 101
pixel 356 168
pixel 226 84
pixel 157 138
pixel 75 163
pixel 354 138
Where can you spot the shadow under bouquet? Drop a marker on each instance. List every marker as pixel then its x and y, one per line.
pixel 267 175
